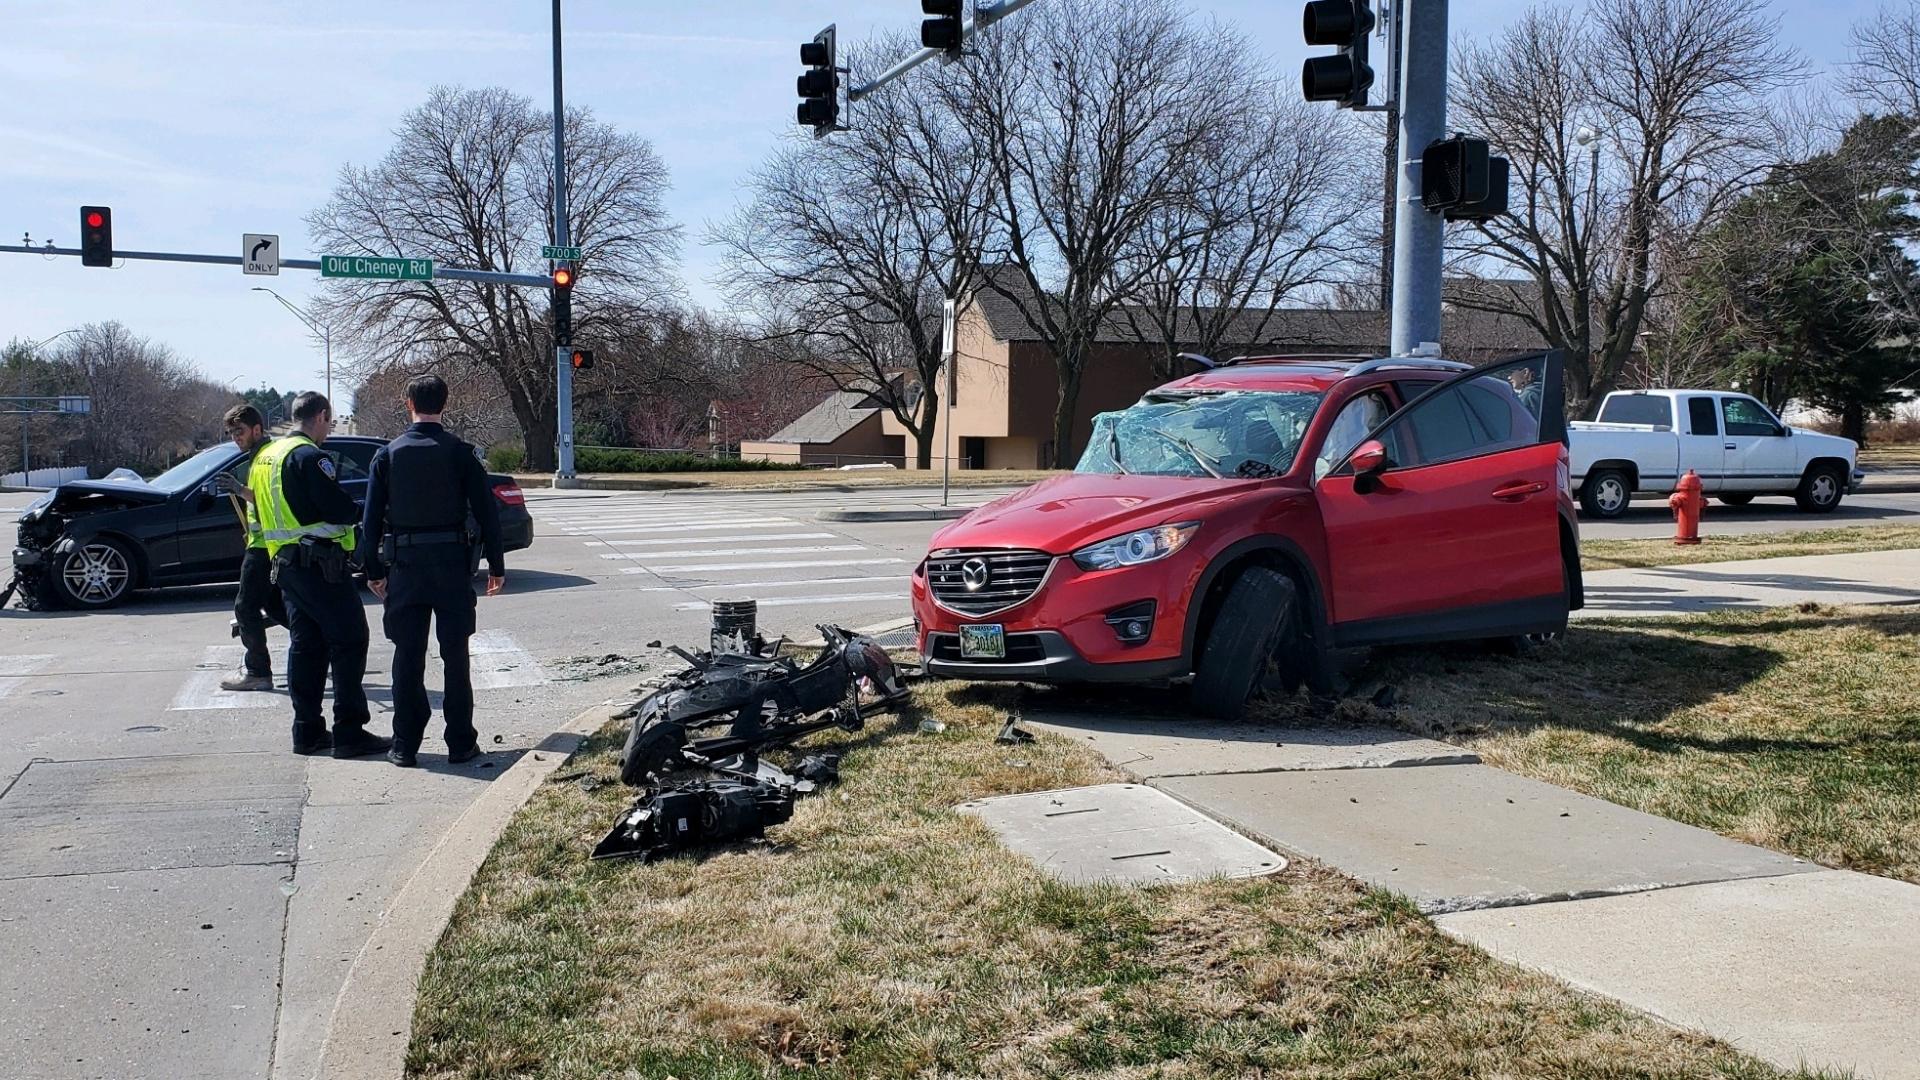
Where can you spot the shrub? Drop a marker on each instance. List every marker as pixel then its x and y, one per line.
pixel 505 459
pixel 607 460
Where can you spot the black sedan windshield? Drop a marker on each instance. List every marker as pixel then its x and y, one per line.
pixel 1241 434
pixel 195 470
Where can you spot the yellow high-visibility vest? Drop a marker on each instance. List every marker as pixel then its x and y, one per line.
pixel 278 525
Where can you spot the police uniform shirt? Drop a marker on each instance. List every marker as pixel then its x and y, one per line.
pixel 308 479
pixel 409 490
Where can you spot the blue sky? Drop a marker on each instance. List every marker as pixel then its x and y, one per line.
pixel 198 121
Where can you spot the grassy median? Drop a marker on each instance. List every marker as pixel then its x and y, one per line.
pixel 881 935
pixel 1797 729
pixel 1724 547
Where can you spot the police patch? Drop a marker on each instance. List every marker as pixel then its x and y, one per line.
pixel 326 466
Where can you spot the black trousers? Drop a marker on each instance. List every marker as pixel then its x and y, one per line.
pixel 257 606
pixel 329 630
pixel 431 582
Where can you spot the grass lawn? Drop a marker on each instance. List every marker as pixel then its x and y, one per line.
pixel 882 935
pixel 1721 547
pixel 1890 454
pixel 1795 729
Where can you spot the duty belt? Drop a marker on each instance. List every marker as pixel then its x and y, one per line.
pixel 421 539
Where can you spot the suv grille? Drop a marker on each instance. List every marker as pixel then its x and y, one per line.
pixel 1010 577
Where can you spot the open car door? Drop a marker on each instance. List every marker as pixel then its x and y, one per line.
pixel 1455 531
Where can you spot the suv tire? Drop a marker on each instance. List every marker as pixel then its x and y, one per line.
pixel 1606 493
pixel 1258 613
pixel 1820 490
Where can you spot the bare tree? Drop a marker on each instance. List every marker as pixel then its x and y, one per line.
pixel 1671 92
pixel 1886 58
pixel 850 245
pixel 1268 214
pixel 1091 115
pixel 469 183
pixel 148 406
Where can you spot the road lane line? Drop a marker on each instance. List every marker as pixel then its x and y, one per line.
pixel 689 568
pixel 709 539
pixel 498 662
pixel 636 555
pixel 794 601
pixel 768 584
pixel 756 523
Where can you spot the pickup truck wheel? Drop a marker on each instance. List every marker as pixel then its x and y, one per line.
pixel 1606 494
pixel 1820 489
pixel 96 574
pixel 1257 614
pixel 1735 500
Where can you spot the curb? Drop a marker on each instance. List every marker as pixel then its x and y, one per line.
pixel 364 1037
pixel 544 482
pixel 929 513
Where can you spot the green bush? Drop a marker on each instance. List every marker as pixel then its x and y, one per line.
pixel 592 459
pixel 505 459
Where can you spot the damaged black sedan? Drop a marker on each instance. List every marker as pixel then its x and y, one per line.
pixel 89 544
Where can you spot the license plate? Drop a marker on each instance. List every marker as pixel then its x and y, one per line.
pixel 987 641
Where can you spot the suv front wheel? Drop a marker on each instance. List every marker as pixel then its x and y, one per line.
pixel 1259 611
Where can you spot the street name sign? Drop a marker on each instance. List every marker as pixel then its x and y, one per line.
pixel 364 266
pixel 565 254
pixel 260 253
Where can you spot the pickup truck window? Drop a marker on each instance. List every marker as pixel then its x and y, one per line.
pixel 1702 417
pixel 1746 416
pixel 1637 409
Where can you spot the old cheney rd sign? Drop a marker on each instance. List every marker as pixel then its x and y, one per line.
pixel 362 266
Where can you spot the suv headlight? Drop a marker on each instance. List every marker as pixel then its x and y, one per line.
pixel 1134 548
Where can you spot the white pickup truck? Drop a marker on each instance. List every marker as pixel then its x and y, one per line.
pixel 1645 440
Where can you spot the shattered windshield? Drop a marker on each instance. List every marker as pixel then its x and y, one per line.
pixel 194 470
pixel 1239 434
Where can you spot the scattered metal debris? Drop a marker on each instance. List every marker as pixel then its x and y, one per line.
pixel 718 716
pixel 1011 734
pixel 584 668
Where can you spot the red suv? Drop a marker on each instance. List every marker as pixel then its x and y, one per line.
pixel 1263 512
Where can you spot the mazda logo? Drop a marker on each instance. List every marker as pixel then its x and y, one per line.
pixel 974 574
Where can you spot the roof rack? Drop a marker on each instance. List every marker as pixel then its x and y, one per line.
pixel 1298 358
pixel 1400 362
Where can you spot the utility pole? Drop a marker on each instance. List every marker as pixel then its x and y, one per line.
pixel 1419 234
pixel 563 476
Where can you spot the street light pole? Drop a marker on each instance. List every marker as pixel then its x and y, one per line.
pixel 325 332
pixel 563 475
pixel 1419 234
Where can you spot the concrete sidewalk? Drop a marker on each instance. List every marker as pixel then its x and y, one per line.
pixel 1870 577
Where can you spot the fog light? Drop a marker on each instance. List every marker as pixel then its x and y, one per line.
pixel 1132 624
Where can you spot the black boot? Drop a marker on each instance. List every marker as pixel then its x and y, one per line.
pixel 358 742
pixel 403 757
pixel 460 755
pixel 318 742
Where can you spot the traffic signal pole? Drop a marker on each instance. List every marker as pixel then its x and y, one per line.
pixel 1419 235
pixel 563 474
pixel 983 17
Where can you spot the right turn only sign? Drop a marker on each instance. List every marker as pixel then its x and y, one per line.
pixel 260 252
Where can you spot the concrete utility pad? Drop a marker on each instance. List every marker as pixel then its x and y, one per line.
pixel 146 813
pixel 165 973
pixel 1820 968
pixel 1153 747
pixel 1121 833
pixel 1455 837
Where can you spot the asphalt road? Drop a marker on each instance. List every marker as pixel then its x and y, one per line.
pixel 181 896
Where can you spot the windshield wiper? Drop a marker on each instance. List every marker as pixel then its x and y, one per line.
pixel 1192 451
pixel 1113 448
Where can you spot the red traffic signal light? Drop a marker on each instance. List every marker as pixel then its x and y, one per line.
pixel 945 30
pixel 1344 77
pixel 582 359
pixel 819 85
pixel 563 277
pixel 96 236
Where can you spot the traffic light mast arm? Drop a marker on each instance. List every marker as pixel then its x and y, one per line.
pixel 449 273
pixel 983 17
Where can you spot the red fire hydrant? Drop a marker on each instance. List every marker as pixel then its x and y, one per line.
pixel 1687 502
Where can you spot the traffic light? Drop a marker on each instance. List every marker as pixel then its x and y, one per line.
pixel 943 31
pixel 563 277
pixel 819 86
pixel 1345 76
pixel 1460 179
pixel 96 236
pixel 582 359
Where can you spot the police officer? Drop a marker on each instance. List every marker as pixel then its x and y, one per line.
pixel 257 604
pixel 424 485
pixel 307 521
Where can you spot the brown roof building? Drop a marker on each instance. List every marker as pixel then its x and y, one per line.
pixel 1002 412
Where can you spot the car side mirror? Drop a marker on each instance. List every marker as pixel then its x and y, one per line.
pixel 1370 459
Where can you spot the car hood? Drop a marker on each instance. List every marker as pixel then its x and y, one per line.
pixel 1064 513
pixel 100 494
pixel 1827 444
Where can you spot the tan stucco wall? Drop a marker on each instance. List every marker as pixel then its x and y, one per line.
pixel 866 443
pixel 1013 452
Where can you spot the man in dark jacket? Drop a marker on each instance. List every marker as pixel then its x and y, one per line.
pixel 424 487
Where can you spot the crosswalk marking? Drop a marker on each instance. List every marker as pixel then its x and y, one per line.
pixel 496 660
pixel 709 539
pixel 636 555
pixel 787 583
pixel 790 601
pixel 768 523
pixel 689 568
pixel 642 518
pixel 202 688
pixel 13 670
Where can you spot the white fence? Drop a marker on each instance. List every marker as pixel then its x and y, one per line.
pixel 44 477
